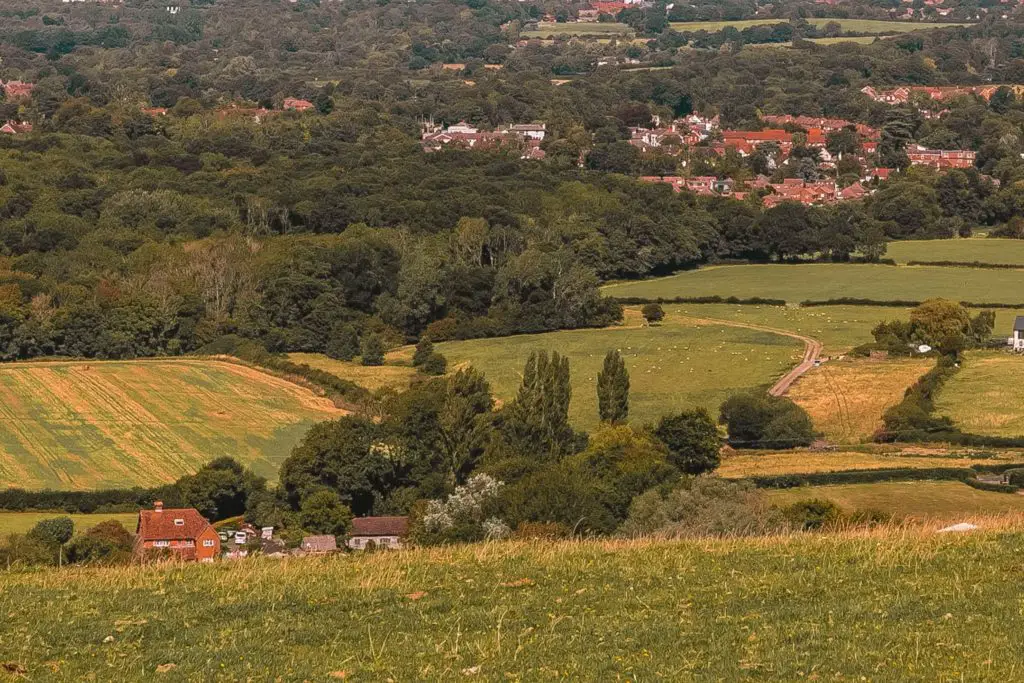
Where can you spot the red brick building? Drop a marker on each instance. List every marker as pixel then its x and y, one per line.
pixel 183 532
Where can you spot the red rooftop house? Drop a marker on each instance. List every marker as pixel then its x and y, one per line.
pixel 17 90
pixel 382 532
pixel 182 532
pixel 297 105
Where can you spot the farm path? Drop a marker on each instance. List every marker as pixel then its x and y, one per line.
pixel 812 349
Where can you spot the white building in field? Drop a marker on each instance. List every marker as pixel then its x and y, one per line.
pixel 1017 340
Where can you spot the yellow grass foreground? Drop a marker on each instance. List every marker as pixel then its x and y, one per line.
pixel 846 399
pixel 395 377
pixel 893 604
pixel 89 425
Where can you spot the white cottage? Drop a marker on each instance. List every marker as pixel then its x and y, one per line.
pixel 1017 340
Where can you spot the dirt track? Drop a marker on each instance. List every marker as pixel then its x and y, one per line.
pixel 812 349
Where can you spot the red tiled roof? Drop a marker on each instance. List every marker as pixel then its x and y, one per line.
pixel 380 526
pixel 159 525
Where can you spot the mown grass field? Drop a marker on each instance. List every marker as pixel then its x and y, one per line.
pixel 548 29
pixel 855 25
pixel 89 425
pixel 846 399
pixel 902 605
pixel 826 281
pixel 675 365
pixel 948 501
pixel 771 463
pixel 20 522
pixel 860 40
pixel 987 395
pixel 385 376
pixel 972 250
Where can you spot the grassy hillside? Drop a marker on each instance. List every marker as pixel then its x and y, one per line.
pixel 770 463
pixel 675 365
pixel 824 281
pixel 846 399
pixel 985 397
pixel 902 605
pixel 20 522
pixel 385 376
pixel 87 425
pixel 942 500
pixel 546 29
pixel 977 249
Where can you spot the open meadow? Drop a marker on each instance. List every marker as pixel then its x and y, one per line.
pixel 846 398
pixel 903 604
pixel 678 364
pixel 827 281
pixel 853 25
pixel 947 501
pixel 388 376
pixel 21 522
pixel 745 464
pixel 984 397
pixel 971 250
pixel 90 425
pixel 550 29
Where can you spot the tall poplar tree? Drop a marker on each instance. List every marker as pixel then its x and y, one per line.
pixel 613 389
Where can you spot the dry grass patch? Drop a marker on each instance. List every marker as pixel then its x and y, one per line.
pixel 987 395
pixel 369 377
pixel 846 399
pixel 771 463
pixel 921 500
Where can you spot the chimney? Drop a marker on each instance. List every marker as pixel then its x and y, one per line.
pixel 158 505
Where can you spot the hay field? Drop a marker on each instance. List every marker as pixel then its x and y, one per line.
pixel 21 522
pixel 948 501
pixel 826 281
pixel 903 604
pixel 549 29
pixel 90 425
pixel 846 399
pixel 675 365
pixel 373 378
pixel 971 250
pixel 987 395
pixel 745 464
pixel 854 25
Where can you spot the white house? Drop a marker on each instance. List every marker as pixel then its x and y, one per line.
pixel 378 532
pixel 1017 340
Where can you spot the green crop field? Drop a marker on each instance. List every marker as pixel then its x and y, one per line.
pixel 854 25
pixel 942 500
pixel 89 425
pixel 902 605
pixel 985 396
pixel 672 366
pixel 824 281
pixel 973 250
pixel 550 29
pixel 20 522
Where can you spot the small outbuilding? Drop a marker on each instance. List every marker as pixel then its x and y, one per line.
pixel 1017 340
pixel 319 545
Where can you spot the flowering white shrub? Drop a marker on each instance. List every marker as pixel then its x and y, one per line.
pixel 467 507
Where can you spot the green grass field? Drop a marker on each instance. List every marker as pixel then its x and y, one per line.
pixel 941 500
pixel 672 366
pixel 88 425
pixel 985 396
pixel 380 377
pixel 20 522
pixel 902 605
pixel 860 40
pixel 975 249
pixel 854 25
pixel 824 281
pixel 744 464
pixel 550 29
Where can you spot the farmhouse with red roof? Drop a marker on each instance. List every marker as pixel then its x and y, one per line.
pixel 183 532
pixel 383 532
pixel 296 104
